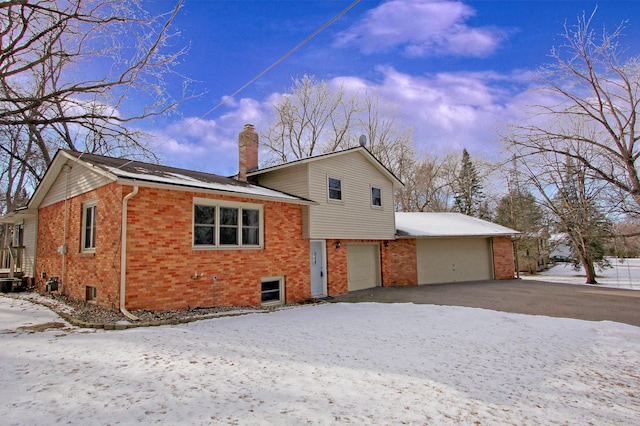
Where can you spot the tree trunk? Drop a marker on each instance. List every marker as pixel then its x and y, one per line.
pixel 590 269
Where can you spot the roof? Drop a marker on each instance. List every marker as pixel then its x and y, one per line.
pixel 362 150
pixel 435 225
pixel 131 172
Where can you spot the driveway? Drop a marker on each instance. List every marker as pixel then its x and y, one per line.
pixel 519 296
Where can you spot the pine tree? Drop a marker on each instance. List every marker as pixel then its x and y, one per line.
pixel 469 193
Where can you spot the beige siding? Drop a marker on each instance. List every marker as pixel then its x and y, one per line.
pixel 80 180
pixel 29 241
pixel 292 180
pixel 354 217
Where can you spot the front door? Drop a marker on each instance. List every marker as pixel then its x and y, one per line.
pixel 317 269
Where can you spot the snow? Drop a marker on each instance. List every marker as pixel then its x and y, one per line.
pixel 179 179
pixel 447 225
pixel 322 364
pixel 624 273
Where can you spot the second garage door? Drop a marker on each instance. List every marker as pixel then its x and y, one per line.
pixel 363 266
pixel 443 260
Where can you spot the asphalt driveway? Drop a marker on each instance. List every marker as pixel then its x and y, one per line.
pixel 518 296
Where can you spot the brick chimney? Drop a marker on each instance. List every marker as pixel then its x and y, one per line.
pixel 248 151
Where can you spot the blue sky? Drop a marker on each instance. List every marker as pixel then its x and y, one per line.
pixel 459 71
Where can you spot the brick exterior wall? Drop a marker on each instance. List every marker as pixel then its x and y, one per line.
pixel 100 269
pixel 503 258
pixel 337 274
pixel 403 262
pixel 161 261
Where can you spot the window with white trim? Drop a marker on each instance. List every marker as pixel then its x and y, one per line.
pixel 334 188
pixel 376 197
pixel 89 211
pixel 223 224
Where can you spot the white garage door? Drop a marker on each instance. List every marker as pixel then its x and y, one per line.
pixel 445 260
pixel 363 266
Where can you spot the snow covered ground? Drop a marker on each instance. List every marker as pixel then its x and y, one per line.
pixel 623 274
pixel 321 364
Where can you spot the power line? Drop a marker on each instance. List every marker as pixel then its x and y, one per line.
pixel 266 70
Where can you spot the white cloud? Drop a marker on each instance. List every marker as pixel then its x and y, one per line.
pixel 452 111
pixel 421 28
pixel 209 145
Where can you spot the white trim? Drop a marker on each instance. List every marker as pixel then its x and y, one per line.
pixel 334 200
pixel 373 206
pixel 281 290
pixel 85 206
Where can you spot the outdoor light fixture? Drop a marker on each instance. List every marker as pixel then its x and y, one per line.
pixel 338 244
pixel 386 243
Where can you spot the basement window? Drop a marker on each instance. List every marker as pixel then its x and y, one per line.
pixel 272 291
pixel 90 293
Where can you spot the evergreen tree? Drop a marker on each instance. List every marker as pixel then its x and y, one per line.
pixel 519 210
pixel 469 193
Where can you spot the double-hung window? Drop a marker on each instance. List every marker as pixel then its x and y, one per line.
pixel 376 197
pixel 224 224
pixel 335 189
pixel 89 226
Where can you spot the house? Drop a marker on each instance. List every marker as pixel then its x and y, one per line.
pixel 436 248
pixel 130 235
pixel 352 220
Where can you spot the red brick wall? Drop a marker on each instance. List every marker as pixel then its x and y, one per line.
pixel 100 269
pixel 403 262
pixel 503 259
pixel 161 261
pixel 337 275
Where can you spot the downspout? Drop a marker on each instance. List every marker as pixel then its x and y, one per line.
pixel 63 248
pixel 123 256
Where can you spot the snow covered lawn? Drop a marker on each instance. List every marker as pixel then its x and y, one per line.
pixel 623 274
pixel 322 364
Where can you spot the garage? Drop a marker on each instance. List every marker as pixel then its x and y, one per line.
pixel 363 266
pixel 443 260
pixel 450 247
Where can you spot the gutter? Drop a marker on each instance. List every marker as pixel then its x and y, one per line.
pixel 123 256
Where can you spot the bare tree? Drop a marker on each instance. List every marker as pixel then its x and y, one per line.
pixel 574 200
pixel 428 184
pixel 311 119
pixel 316 118
pixel 67 72
pixel 595 97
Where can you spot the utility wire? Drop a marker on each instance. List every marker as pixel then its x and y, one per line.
pixel 285 56
pixel 266 70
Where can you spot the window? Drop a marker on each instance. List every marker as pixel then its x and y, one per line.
pixel 376 197
pixel 89 226
pixel 335 189
pixel 90 293
pixel 272 291
pixel 226 224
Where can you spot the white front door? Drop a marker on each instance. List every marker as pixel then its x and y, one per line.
pixel 318 286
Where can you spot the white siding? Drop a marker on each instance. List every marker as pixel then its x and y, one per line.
pixel 80 180
pixel 354 217
pixel 29 242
